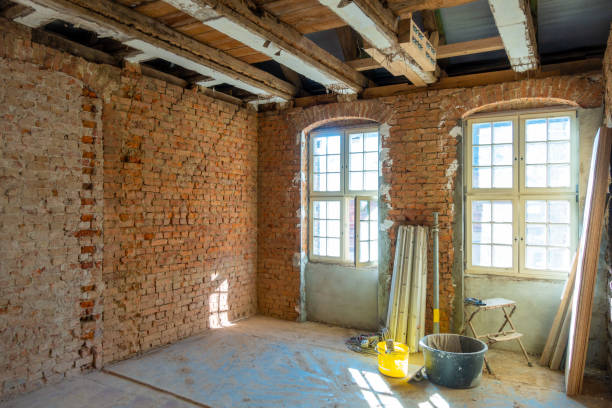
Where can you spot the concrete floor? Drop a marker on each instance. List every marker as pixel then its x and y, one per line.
pixel 266 362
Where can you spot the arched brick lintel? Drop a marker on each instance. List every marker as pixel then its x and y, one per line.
pixel 521 103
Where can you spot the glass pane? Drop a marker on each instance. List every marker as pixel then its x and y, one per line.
pixel 333 163
pixel 356 162
pixel 559 152
pixel 535 257
pixel 371 161
pixel 351 231
pixel 559 235
pixel 320 145
pixel 535 175
pixel 363 210
pixel 333 210
pixel 481 155
pixel 481 211
pixel 502 155
pixel 481 255
pixel 502 211
pixel 319 229
pixel 373 250
pixel 502 132
pixel 559 212
pixel 374 210
pixel 481 133
pixel 318 181
pixel 364 231
pixel 559 128
pixel 559 175
pixel 502 177
pixel 502 234
pixel 333 181
pixel 536 234
pixel 370 143
pixel 355 181
pixel 319 165
pixel 333 228
pixel 536 129
pixel 502 256
pixel 535 153
pixel 320 210
pixel 559 259
pixel 481 177
pixel 481 233
pixel 356 142
pixel 333 145
pixel 370 181
pixel 333 247
pixel 319 246
pixel 364 253
pixel 536 211
pixel 373 230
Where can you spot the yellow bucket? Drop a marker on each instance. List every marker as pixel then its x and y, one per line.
pixel 395 363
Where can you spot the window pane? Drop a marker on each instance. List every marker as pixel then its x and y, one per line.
pixel 559 235
pixel 559 175
pixel 502 177
pixel 373 230
pixel 481 133
pixel 333 163
pixel 333 210
pixel 333 228
pixel 502 234
pixel 481 233
pixel 356 162
pixel 355 181
pixel 371 161
pixel 374 251
pixel 502 132
pixel 364 231
pixel 481 155
pixel 559 259
pixel 333 145
pixel 502 155
pixel 535 153
pixel 374 209
pixel 481 177
pixel 559 211
pixel 370 181
pixel 481 211
pixel 319 228
pixel 318 181
pixel 536 234
pixel 363 210
pixel 370 143
pixel 364 251
pixel 535 176
pixel 536 130
pixel 536 257
pixel 333 182
pixel 333 247
pixel 502 211
pixel 536 211
pixel 320 209
pixel 319 246
pixel 481 255
pixel 559 128
pixel 351 230
pixel 356 142
pixel 319 165
pixel 502 256
pixel 320 145
pixel 559 152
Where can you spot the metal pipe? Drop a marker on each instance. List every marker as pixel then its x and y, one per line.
pixel 436 275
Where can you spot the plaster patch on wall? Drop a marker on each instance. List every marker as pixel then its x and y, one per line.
pixel 456 131
pixel 384 192
pixel 297 259
pixel 386 225
pixel 450 174
pixel 384 157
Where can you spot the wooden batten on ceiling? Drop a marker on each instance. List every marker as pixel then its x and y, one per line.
pixel 113 20
pixel 265 33
pixel 405 8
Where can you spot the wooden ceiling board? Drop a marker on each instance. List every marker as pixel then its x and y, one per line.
pixel 156 9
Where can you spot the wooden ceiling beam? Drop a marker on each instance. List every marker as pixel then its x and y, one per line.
pixel 156 40
pixel 262 31
pixel 515 25
pixel 404 9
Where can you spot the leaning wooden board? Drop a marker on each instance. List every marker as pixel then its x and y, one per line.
pixel 582 301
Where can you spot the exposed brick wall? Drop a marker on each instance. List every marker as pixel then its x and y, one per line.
pixel 51 217
pixel 420 169
pixel 128 213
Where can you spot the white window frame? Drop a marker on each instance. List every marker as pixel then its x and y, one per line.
pixel 344 196
pixel 519 193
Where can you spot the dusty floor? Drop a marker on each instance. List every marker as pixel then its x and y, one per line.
pixel 265 362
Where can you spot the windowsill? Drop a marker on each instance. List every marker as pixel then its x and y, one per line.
pixel 343 265
pixel 557 277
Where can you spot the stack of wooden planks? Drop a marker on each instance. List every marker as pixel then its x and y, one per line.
pixel 406 312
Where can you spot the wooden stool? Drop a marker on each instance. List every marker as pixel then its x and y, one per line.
pixel 501 334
